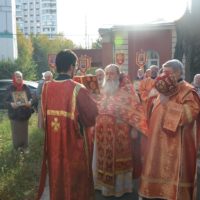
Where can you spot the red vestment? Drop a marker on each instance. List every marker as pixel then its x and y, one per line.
pixel 145 86
pixel 66 154
pixel 118 113
pixel 170 168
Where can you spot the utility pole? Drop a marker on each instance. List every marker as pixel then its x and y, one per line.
pixel 86 36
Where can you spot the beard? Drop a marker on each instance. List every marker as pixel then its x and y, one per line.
pixel 110 87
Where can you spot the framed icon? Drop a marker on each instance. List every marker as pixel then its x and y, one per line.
pixel 90 82
pixel 141 58
pixel 20 98
pixel 84 63
pixel 120 57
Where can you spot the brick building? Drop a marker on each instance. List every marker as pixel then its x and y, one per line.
pixel 156 40
pixel 94 54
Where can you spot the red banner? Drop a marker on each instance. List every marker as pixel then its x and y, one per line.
pixel 120 57
pixel 84 63
pixel 141 58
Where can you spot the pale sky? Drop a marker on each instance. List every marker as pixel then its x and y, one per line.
pixel 79 19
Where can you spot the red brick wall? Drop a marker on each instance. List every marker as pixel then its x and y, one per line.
pixel 157 40
pixel 95 54
pixel 107 52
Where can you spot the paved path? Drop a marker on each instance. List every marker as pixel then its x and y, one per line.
pixel 129 196
pixel 198 182
pixel 132 196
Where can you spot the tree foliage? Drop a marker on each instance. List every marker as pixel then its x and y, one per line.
pixel 7 67
pixel 97 44
pixel 188 40
pixel 25 51
pixel 33 55
pixel 40 53
pixel 43 46
pixel 24 63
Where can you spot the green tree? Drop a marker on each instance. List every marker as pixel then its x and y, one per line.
pixel 40 53
pixel 59 43
pixel 97 44
pixel 43 46
pixel 25 62
pixel 188 40
pixel 7 67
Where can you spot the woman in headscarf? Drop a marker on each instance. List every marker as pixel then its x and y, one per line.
pixel 19 111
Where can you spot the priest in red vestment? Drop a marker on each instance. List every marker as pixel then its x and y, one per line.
pixel 170 165
pixel 147 93
pixel 68 110
pixel 120 113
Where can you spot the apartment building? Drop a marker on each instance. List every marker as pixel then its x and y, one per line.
pixel 125 45
pixel 37 16
pixel 8 39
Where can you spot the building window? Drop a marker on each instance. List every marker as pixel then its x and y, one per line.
pixel 153 58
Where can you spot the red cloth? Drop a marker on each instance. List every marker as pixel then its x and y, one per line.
pixel 114 149
pixel 126 106
pixel 66 151
pixel 117 114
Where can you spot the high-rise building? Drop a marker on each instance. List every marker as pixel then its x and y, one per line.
pixel 8 39
pixel 37 16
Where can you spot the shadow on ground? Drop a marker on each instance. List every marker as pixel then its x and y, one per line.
pixel 132 196
pixel 128 196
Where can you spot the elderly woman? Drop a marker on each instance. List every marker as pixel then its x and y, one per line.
pixel 19 111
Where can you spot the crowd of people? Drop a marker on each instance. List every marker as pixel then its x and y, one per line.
pixel 147 130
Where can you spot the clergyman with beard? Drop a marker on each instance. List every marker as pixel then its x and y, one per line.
pixel 119 113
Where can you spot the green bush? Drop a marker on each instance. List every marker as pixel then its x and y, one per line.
pixel 7 68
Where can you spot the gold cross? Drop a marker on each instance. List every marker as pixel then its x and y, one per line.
pixel 55 124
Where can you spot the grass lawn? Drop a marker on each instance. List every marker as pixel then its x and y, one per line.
pixel 19 173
